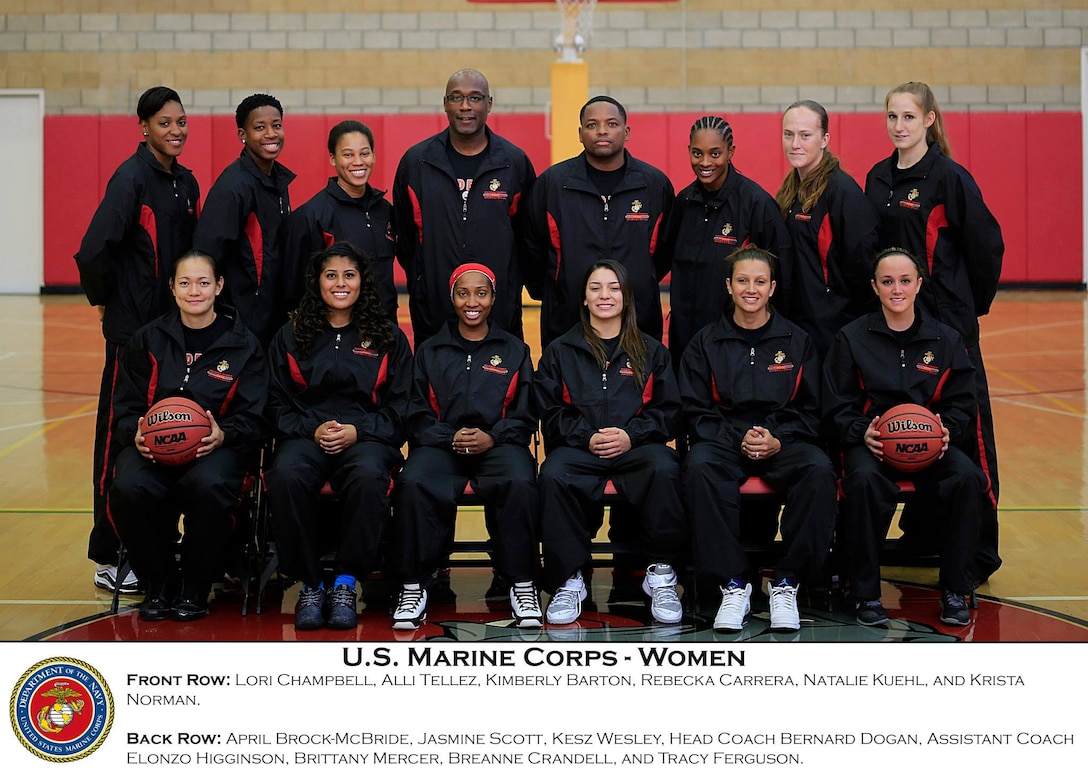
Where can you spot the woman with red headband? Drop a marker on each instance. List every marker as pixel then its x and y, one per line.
pixel 470 420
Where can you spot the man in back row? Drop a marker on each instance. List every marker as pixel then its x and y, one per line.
pixel 457 199
pixel 602 204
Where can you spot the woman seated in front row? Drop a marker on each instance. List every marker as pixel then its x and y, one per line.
pixel 471 419
pixel 894 356
pixel 203 353
pixel 751 395
pixel 608 405
pixel 340 375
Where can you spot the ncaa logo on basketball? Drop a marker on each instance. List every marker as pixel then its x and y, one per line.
pixel 61 709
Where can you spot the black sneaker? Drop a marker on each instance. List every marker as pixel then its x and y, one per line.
pixel 310 609
pixel 192 604
pixel 342 614
pixel 158 603
pixel 871 613
pixel 954 609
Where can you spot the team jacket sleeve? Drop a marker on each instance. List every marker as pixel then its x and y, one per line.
pixel 518 421
pixel 983 247
pixel 131 400
pixel 537 238
pixel 705 419
pixel 663 247
pixel 386 423
pixel 302 239
pixel 290 418
pixel 563 423
pixel 659 417
pixel 856 229
pixel 799 420
pixel 404 220
pixel 423 424
pixel 244 424
pixel 219 228
pixel 110 224
pixel 844 400
pixel 957 402
pixel 520 218
pixel 769 232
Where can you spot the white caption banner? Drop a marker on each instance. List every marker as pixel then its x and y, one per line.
pixel 605 707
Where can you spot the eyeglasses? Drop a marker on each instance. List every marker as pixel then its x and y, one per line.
pixel 457 99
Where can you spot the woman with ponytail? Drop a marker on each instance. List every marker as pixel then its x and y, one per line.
pixel 932 207
pixel 833 228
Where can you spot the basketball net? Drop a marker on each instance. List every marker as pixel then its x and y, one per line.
pixel 577 18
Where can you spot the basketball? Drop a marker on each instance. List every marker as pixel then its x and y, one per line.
pixel 911 436
pixel 173 429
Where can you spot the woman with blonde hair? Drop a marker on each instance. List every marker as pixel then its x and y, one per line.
pixel 932 207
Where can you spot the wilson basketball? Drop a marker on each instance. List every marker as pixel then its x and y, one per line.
pixel 911 436
pixel 173 429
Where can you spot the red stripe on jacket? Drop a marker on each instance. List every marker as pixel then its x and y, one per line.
pixel 256 243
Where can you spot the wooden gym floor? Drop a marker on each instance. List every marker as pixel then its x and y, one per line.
pixel 1034 345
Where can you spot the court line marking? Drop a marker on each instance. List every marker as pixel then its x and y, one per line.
pixel 1029 406
pixel 1029 327
pixel 33 423
pixel 79 413
pixel 1035 389
pixel 1046 597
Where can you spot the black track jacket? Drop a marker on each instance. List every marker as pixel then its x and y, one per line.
pixel 575 399
pixel 727 386
pixel 144 222
pixel 340 379
pixel 485 385
pixel 230 379
pixel 936 212
pixel 572 227
pixel 332 215
pixel 242 227
pixel 867 373
pixel 438 229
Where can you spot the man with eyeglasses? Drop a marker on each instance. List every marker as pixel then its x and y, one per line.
pixel 457 198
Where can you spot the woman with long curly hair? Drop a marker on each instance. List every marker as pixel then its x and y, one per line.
pixel 608 403
pixel 340 376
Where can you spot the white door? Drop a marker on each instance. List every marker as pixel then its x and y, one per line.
pixel 22 200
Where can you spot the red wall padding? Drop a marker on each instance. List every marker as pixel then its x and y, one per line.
pixel 1029 170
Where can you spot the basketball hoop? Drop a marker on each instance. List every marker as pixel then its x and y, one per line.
pixel 577 18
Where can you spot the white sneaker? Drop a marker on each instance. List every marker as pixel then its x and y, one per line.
pixel 784 615
pixel 735 608
pixel 525 605
pixel 660 584
pixel 566 604
pixel 411 607
pixel 105 577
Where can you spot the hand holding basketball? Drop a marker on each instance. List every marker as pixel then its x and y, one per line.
pixel 214 438
pixel 872 439
pixel 175 431
pixel 911 436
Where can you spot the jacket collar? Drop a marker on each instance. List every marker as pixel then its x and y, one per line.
pixel 279 178
pixel 921 169
pixel 728 329
pixel 714 199
pixel 144 154
pixel 369 197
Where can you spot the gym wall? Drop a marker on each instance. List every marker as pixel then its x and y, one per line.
pixel 1007 76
